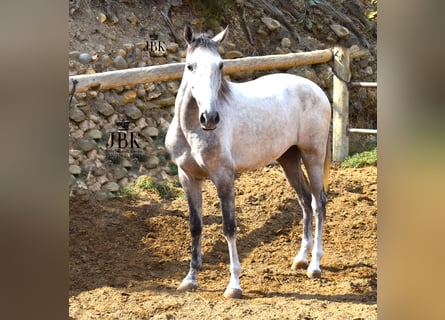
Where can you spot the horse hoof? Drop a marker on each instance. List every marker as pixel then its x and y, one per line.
pixel 187 286
pixel 233 293
pixel 315 274
pixel 299 265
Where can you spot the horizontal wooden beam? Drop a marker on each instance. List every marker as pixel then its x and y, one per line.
pixel 363 84
pixel 173 71
pixel 358 130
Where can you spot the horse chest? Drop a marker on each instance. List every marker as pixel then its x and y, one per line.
pixel 206 150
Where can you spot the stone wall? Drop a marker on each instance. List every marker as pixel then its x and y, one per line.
pixel 118 134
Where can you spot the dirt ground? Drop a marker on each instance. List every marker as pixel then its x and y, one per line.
pixel 128 256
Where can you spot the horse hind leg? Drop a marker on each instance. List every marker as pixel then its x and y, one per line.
pixel 315 168
pixel 290 161
pixel 193 191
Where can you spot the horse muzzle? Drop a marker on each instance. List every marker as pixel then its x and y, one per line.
pixel 209 120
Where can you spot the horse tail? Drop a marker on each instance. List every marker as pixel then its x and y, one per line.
pixel 327 164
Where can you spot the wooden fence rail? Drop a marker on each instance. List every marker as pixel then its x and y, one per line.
pixel 173 71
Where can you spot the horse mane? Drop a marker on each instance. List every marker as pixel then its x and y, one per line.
pixel 203 40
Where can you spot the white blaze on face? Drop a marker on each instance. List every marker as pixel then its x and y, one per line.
pixel 204 77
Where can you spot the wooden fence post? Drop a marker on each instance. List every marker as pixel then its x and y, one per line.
pixel 342 75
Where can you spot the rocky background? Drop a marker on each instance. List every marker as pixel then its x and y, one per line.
pixel 114 35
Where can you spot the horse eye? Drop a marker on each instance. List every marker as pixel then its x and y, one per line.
pixel 221 65
pixel 190 67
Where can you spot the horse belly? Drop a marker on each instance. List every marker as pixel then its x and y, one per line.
pixel 261 148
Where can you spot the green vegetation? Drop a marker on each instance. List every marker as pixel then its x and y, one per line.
pixel 358 160
pixel 167 190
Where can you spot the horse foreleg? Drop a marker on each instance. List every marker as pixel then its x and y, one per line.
pixel 193 191
pixel 226 193
pixel 233 289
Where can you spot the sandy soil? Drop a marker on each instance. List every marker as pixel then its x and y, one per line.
pixel 128 256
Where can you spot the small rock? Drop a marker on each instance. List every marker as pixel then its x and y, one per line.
pixel 124 182
pixel 285 43
pixel 74 55
pixel 102 17
pixel 154 94
pixel 141 123
pixel 126 164
pixel 72 180
pixel 99 171
pixel 76 134
pixel 340 31
pixel 141 45
pixel 132 18
pixel 141 92
pixel 105 108
pixel 119 173
pixel 310 74
pixel 85 58
pixel 150 132
pixel 120 63
pixel 152 162
pixel 147 105
pixel 94 187
pixel 368 70
pixel 129 96
pixel 165 102
pixel 233 54
pixel 86 125
pixel 75 169
pixel 112 187
pixel 172 47
pixel 86 144
pixel 106 60
pixel 92 94
pixel 270 23
pixel 172 87
pixel 129 47
pixel 75 153
pixel 133 112
pixel 100 196
pixel 122 53
pixel 261 32
pixel 77 115
pixel 95 134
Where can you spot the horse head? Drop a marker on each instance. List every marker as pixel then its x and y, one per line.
pixel 203 73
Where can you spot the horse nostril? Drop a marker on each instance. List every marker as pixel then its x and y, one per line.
pixel 217 118
pixel 202 119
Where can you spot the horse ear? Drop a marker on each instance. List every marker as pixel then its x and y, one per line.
pixel 188 34
pixel 219 38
